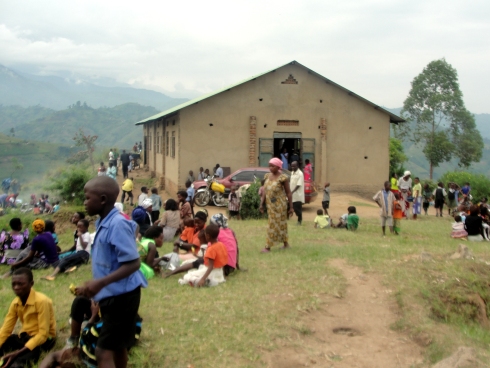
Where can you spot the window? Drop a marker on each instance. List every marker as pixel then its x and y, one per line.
pixel 149 142
pixel 166 143
pixel 173 144
pixel 158 144
pixel 244 176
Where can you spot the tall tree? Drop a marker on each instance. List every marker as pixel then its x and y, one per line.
pixel 438 119
pixel 88 142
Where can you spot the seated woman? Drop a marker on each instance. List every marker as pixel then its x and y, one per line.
pixel 170 220
pixel 473 224
pixel 13 242
pixel 228 238
pixel 147 248
pixel 215 258
pixel 458 231
pixel 81 255
pixel 192 246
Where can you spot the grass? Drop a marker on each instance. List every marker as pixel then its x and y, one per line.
pixel 232 324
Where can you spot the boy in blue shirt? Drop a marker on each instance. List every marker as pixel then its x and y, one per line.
pixel 117 281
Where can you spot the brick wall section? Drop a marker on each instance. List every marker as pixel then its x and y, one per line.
pixel 252 150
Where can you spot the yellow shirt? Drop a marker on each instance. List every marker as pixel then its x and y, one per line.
pixel 394 184
pixel 127 185
pixel 417 190
pixel 36 317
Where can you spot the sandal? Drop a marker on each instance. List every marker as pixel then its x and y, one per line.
pixel 265 250
pixel 49 278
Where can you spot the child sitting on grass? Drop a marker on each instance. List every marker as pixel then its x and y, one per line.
pixel 458 231
pixel 188 232
pixel 81 255
pixel 216 257
pixel 349 220
pixel 397 214
pixel 322 221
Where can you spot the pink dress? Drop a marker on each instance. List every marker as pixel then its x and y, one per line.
pixel 227 237
pixel 307 172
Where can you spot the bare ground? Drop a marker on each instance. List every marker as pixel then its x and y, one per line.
pixel 351 331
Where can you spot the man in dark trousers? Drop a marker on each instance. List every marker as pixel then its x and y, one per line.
pixel 125 161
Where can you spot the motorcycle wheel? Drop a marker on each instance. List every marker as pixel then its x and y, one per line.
pixel 219 200
pixel 202 199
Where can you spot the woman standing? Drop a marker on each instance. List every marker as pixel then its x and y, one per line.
pixel 277 195
pixel 394 183
pixel 405 186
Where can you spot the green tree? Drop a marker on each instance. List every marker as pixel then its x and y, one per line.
pixel 438 119
pixel 397 156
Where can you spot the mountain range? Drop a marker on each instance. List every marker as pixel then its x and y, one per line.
pixel 58 92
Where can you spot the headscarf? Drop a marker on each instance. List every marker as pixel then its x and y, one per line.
pixel 147 203
pixel 276 162
pixel 38 225
pixel 119 206
pixel 407 173
pixel 220 220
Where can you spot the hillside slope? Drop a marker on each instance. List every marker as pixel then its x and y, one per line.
pixel 114 126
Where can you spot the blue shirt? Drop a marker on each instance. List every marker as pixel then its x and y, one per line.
pixel 466 189
pixel 113 245
pixel 385 195
pixel 190 194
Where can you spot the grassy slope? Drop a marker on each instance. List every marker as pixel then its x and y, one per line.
pixel 248 314
pixel 37 158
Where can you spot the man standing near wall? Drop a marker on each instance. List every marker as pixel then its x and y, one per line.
pixel 218 172
pixel 297 190
pixel 125 161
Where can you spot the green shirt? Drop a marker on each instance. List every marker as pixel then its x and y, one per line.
pixel 352 222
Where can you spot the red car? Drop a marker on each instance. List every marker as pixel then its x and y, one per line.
pixel 247 175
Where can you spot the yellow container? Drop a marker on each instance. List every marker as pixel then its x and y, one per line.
pixel 217 187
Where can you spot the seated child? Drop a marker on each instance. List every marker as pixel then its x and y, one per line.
pixel 322 221
pixel 397 214
pixel 215 258
pixel 56 207
pixel 350 220
pixel 147 249
pixel 458 231
pixel 188 232
pixel 36 210
pixel 35 313
pixel 82 309
pixel 191 264
pixel 81 255
pixel 51 228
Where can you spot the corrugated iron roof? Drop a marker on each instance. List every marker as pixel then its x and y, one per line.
pixel 393 118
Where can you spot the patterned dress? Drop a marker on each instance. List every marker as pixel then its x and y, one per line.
pixel 12 242
pixel 277 209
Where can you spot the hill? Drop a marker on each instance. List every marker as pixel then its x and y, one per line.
pixel 36 158
pixel 114 125
pixel 57 92
pixel 12 116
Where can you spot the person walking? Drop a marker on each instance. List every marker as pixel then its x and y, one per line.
pixel 125 161
pixel 277 195
pixel 297 190
pixel 405 187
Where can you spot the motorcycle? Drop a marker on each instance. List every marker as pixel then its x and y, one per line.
pixel 214 191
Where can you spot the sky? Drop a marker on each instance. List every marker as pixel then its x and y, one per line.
pixel 185 48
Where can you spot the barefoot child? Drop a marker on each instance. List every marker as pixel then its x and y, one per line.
pixel 117 281
pixel 81 255
pixel 216 257
pixel 322 221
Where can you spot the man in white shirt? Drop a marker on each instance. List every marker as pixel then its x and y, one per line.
pixel 297 190
pixel 219 172
pixel 142 196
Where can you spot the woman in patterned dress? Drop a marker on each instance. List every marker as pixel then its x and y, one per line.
pixel 277 195
pixel 15 241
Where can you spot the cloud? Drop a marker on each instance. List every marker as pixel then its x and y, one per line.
pixel 373 47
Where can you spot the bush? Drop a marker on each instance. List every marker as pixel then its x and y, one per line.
pixel 68 184
pixel 480 184
pixel 250 203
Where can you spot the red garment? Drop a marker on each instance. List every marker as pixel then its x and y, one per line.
pixel 308 170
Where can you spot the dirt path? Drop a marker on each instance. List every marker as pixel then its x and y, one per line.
pixel 362 319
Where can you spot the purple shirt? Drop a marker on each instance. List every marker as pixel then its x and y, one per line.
pixel 45 246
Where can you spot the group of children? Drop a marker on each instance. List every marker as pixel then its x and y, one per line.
pixel 43 205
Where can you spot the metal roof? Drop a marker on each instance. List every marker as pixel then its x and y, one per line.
pixel 393 118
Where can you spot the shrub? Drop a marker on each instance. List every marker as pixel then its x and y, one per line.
pixel 480 184
pixel 68 184
pixel 250 203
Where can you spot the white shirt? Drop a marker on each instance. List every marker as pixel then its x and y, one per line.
pixel 298 179
pixel 219 172
pixel 141 198
pixel 405 184
pixel 86 238
pixel 111 155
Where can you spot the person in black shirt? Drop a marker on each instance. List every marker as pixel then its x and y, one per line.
pixel 125 161
pixel 473 224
